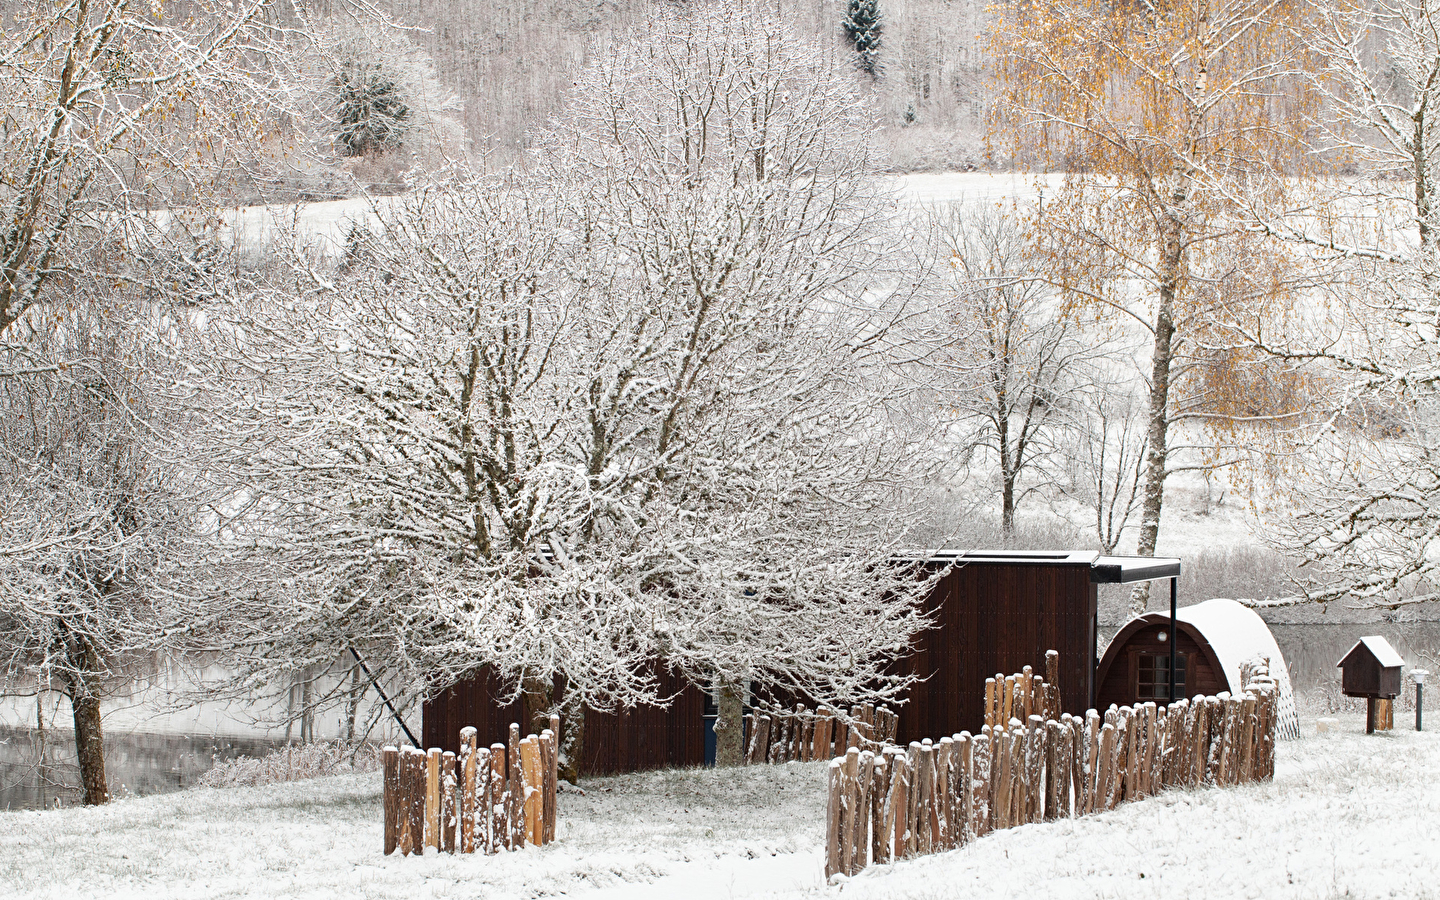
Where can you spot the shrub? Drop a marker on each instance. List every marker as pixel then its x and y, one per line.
pixel 295 762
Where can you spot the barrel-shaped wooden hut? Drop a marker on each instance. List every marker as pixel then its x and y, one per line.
pixel 1214 641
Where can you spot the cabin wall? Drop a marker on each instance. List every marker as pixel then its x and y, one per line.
pixel 645 737
pixel 998 619
pixel 1118 686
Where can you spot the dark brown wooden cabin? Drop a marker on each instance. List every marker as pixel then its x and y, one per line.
pixel 995 613
pixel 1136 665
pixel 1371 669
pixel 645 737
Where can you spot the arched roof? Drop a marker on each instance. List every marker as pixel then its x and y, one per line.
pixel 1230 635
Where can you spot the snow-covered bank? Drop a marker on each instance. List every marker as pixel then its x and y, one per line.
pixel 1347 816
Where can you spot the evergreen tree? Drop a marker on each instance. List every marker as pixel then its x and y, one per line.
pixel 863 26
pixel 373 116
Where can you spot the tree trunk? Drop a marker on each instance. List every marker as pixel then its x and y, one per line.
pixel 352 704
pixel 730 725
pixel 1171 273
pixel 82 684
pixel 539 701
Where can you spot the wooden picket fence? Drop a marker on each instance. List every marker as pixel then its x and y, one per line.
pixel 935 796
pixel 484 800
pixel 802 735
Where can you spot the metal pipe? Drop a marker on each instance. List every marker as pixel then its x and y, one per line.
pixel 393 711
pixel 1419 704
pixel 1174 636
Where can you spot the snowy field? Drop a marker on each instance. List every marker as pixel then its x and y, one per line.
pixel 1347 816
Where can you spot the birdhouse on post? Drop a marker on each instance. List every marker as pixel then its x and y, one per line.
pixel 1372 670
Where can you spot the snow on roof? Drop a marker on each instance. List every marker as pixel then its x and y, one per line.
pixel 1380 649
pixel 1238 635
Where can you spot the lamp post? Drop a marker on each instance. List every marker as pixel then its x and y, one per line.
pixel 1419 676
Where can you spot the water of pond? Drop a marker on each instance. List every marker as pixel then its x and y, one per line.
pixel 36 774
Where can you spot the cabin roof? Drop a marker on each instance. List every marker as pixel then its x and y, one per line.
pixel 1379 648
pixel 1103 569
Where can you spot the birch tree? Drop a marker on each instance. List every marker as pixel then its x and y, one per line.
pixel 1175 123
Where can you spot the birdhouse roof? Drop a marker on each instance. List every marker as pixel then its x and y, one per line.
pixel 1377 647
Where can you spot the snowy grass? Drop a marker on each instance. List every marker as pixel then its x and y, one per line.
pixel 1347 816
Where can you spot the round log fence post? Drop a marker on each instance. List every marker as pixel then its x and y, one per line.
pixel 390 764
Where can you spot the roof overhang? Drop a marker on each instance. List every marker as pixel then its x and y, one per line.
pixel 1103 569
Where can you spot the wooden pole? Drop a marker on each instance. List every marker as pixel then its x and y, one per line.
pixel 499 790
pixel 864 783
pixel 546 746
pixel 448 818
pixel 532 793
pixel 1052 678
pixel 415 824
pixel 990 702
pixel 897 817
pixel 834 817
pixel 945 805
pixel 964 828
pixel 552 782
pixel 980 783
pixel 516 778
pixel 806 751
pixel 879 796
pixel 822 734
pixel 390 764
pixel 432 799
pixel 467 789
pixel 849 796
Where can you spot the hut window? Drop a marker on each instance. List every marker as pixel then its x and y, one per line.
pixel 1152 676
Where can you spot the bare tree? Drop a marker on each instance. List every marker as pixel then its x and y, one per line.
pixel 1010 359
pixel 1105 452
pixel 626 411
pixel 95 508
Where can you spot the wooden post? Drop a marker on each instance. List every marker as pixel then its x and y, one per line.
pixel 749 732
pixel 990 702
pixel 944 796
pixel 390 764
pixel 1006 779
pixel 432 798
pixel 1245 772
pixel 532 796
pixel 516 776
pixel 897 817
pixel 760 742
pixel 552 782
pixel 780 738
pixel 468 752
pixel 1077 763
pixel 1052 678
pixel 806 750
pixel 834 817
pixel 848 793
pixel 1052 770
pixel 1035 767
pixel 823 720
pixel 448 819
pixel 1007 709
pixel 546 746
pixel 840 734
pixel 864 782
pixel 415 825
pixel 980 783
pixel 500 807
pixel 964 828
pixel 879 795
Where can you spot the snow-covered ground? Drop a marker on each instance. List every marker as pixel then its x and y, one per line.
pixel 1348 815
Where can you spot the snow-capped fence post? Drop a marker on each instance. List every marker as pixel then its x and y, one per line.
pixel 468 761
pixel 821 736
pixel 412 836
pixel 448 819
pixel 833 817
pixel 879 793
pixel 432 799
pixel 390 764
pixel 532 796
pixel 499 802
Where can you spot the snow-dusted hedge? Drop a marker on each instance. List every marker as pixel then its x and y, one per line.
pixel 295 762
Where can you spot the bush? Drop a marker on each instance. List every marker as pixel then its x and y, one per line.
pixel 295 762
